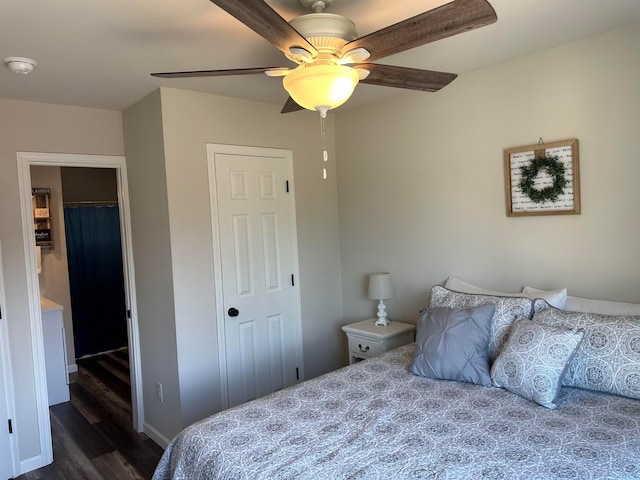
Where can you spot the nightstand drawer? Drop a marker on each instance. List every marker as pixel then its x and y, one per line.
pixel 361 347
pixel 367 340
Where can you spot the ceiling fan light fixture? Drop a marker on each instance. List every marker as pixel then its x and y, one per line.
pixel 277 72
pixel 330 54
pixel 325 25
pixel 355 55
pixel 300 55
pixel 321 87
pixel 363 73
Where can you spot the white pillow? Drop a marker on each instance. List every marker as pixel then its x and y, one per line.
pixel 461 286
pixel 589 305
pixel 555 298
pixel 603 307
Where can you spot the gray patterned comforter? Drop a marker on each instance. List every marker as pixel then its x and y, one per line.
pixel 374 420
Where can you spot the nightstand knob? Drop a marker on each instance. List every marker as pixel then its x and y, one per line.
pixel 363 350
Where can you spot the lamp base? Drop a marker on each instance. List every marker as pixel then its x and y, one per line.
pixel 382 315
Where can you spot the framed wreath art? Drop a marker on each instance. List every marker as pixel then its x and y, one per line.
pixel 542 179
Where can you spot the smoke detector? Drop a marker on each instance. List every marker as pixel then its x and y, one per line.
pixel 20 65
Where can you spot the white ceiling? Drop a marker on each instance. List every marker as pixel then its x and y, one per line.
pixel 99 53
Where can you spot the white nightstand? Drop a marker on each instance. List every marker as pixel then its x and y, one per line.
pixel 366 339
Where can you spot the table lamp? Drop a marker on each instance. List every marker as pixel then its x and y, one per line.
pixel 380 289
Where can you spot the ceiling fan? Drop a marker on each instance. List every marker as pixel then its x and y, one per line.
pixel 330 57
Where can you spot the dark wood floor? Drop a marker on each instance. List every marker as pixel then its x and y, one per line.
pixel 93 437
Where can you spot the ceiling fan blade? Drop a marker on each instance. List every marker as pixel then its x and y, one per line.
pixel 442 22
pixel 291 106
pixel 402 77
pixel 266 22
pixel 213 73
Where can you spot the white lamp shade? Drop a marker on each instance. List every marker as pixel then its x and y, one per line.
pixel 380 286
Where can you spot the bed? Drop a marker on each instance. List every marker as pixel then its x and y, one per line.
pixel 378 419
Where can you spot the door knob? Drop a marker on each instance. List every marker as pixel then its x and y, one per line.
pixel 233 312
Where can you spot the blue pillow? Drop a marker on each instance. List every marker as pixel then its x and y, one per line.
pixel 453 344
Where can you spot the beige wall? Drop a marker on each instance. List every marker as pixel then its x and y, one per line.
pixel 54 278
pixel 189 121
pixel 421 180
pixel 35 127
pixel 152 258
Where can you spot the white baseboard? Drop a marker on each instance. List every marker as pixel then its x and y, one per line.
pixel 31 464
pixel 155 435
pixel 72 368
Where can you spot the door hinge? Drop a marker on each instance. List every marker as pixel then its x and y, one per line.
pixel 129 314
pixel 287 185
pixel 297 375
pixel 10 426
pixel 293 280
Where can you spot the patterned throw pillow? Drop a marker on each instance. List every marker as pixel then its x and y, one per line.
pixel 452 344
pixel 534 359
pixel 608 359
pixel 507 310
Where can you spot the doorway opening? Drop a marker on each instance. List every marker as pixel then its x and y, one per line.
pixel 80 263
pixel 27 160
pixel 94 259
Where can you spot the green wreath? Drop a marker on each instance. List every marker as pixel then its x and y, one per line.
pixel 554 168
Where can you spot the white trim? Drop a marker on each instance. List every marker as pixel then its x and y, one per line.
pixel 155 435
pixel 25 161
pixel 7 373
pixel 212 150
pixel 296 265
pixel 132 304
pixel 35 321
pixel 30 464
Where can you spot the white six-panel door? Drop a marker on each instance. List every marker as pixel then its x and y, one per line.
pixel 254 234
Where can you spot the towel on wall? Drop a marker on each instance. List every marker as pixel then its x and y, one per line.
pixel 39 259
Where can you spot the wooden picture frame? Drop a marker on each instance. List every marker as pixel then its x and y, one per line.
pixel 552 194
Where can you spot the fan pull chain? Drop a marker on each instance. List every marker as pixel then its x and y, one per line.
pixel 323 141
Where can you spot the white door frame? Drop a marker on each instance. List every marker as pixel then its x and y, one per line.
pixel 7 373
pixel 212 150
pixel 25 161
